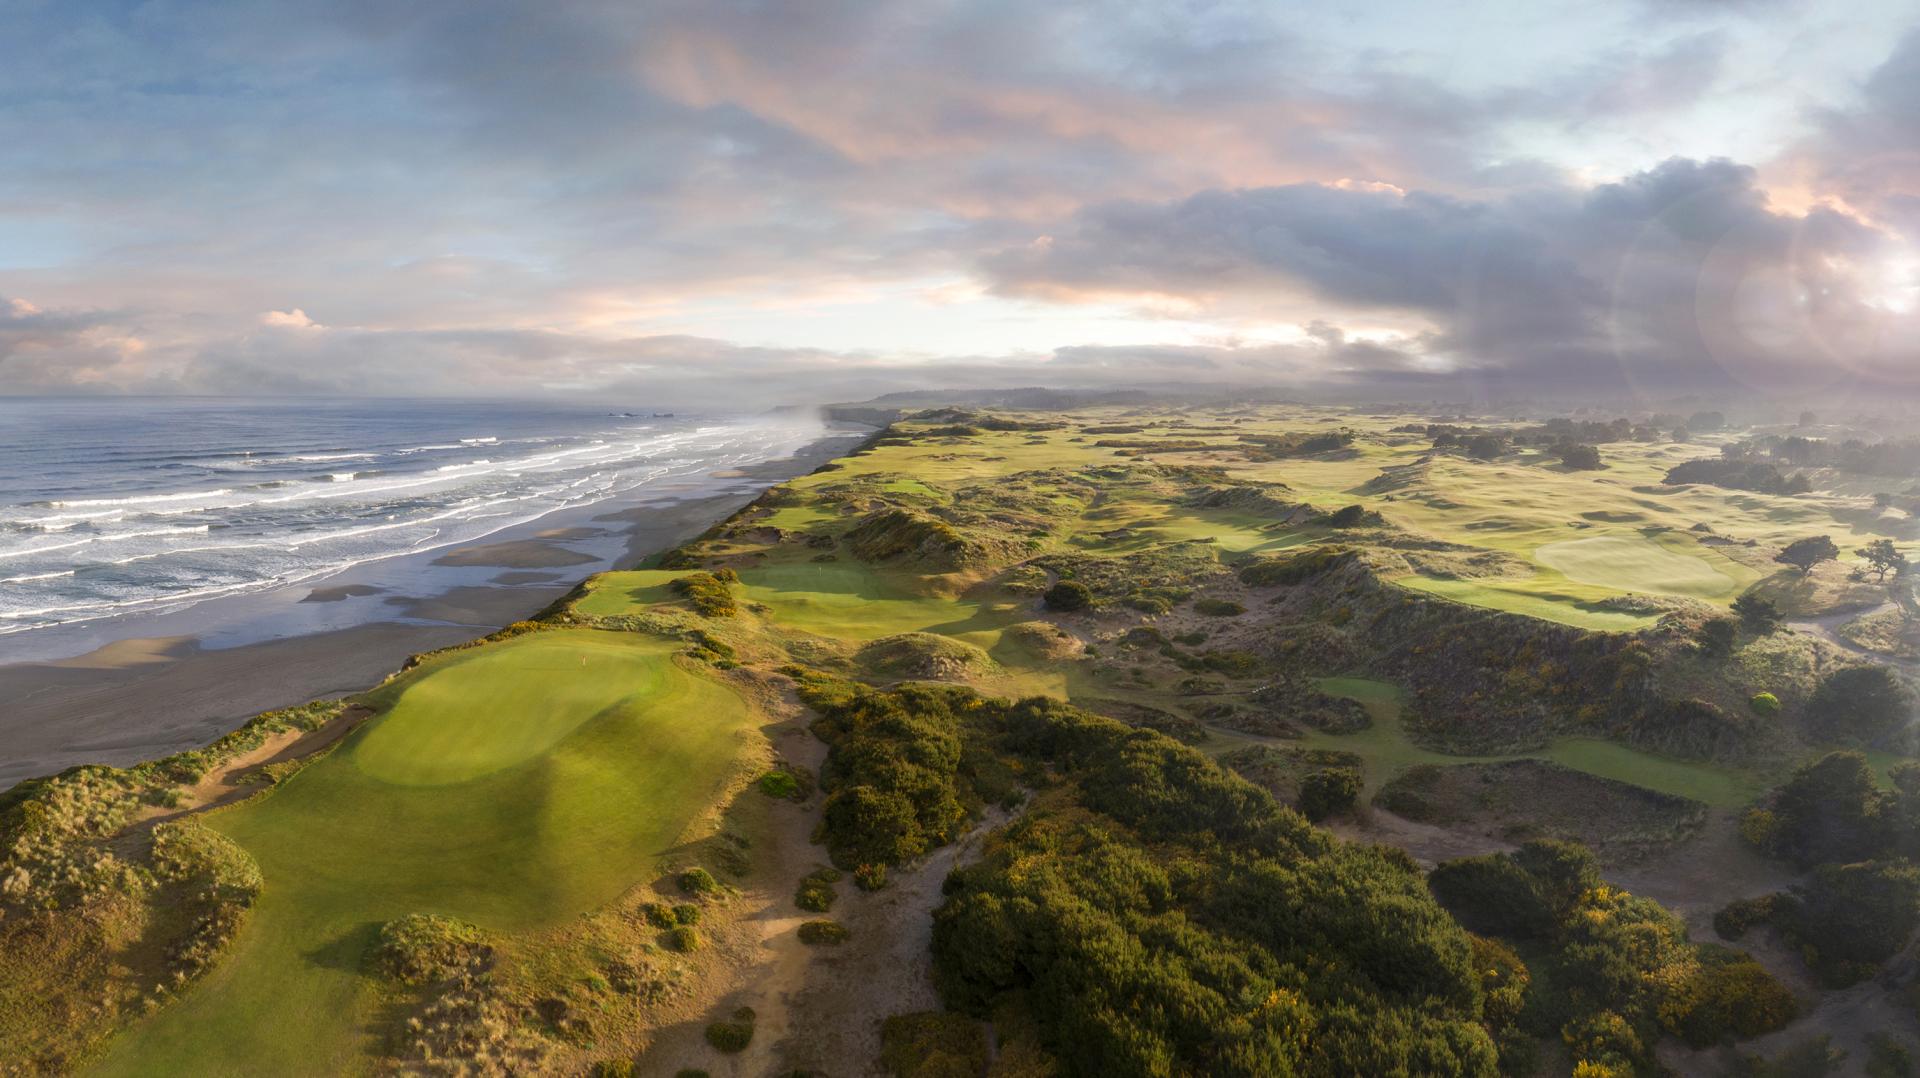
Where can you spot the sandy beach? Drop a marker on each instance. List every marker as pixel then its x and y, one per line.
pixel 143 697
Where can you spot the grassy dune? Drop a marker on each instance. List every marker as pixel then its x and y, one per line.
pixel 1388 752
pixel 513 786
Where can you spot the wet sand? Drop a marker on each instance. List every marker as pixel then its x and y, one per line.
pixel 142 698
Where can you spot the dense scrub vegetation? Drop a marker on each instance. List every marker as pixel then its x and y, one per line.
pixel 1152 911
pixel 1861 899
pixel 1613 972
pixel 1737 474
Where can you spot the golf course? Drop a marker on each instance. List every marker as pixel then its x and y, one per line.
pixel 616 814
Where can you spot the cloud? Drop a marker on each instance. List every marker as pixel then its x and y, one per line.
pixel 488 196
pixel 54 350
pixel 293 319
pixel 1678 276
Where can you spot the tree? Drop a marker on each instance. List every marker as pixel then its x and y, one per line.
pixel 1847 919
pixel 1804 554
pixel 1486 446
pixel 1883 557
pixel 1758 614
pixel 1582 458
pixel 1716 637
pixel 1829 810
pixel 1862 703
pixel 1068 595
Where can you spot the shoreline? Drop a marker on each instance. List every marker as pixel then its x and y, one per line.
pixel 138 698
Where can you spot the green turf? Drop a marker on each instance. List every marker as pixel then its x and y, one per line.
pixel 857 602
pixel 1536 597
pixel 1634 563
pixel 545 826
pixel 613 594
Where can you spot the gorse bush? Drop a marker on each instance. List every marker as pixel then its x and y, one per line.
pixel 709 593
pixel 815 893
pixel 734 1035
pixel 1621 970
pixel 1135 915
pixel 1068 595
pixel 823 933
pixel 1327 791
pixel 698 881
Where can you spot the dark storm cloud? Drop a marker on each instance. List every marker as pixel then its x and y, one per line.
pixel 1679 275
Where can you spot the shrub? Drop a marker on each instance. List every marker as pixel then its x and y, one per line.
pixel 780 784
pixel 870 877
pixel 932 1044
pixel 1351 516
pixel 1716 637
pixel 823 933
pixel 1067 596
pixel 816 893
pixel 1492 896
pixel 1735 918
pixel 1764 703
pixel 613 1068
pixel 686 913
pixel 1326 792
pixel 698 881
pixel 659 915
pixel 1729 997
pixel 1219 608
pixel 1758 614
pixel 1848 919
pixel 708 593
pixel 684 938
pixel 732 1036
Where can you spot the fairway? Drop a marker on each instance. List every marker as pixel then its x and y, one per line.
pixel 554 788
pixel 1631 563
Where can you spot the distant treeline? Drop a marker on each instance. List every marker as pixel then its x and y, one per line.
pixel 1738 473
pixel 1895 457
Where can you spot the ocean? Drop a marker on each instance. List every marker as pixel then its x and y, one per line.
pixel 111 508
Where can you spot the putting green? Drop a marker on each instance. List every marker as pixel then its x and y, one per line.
pixel 628 752
pixel 1633 563
pixel 851 601
pixel 534 694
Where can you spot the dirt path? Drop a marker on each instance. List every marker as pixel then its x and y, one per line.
pixel 819 1008
pixel 1826 627
pixel 238 778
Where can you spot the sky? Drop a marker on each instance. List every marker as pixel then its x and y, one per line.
pixel 751 203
